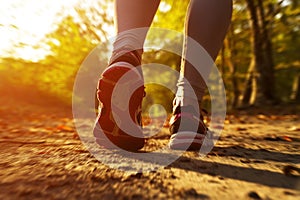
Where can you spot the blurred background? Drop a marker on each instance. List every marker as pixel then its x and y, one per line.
pixel 43 43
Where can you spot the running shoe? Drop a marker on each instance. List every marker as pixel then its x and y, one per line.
pixel 187 129
pixel 119 122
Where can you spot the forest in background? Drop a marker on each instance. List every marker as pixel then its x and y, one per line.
pixel 259 61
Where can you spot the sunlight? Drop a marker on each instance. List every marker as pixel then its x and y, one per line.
pixel 23 23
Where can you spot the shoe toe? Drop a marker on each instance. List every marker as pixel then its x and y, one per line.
pixel 186 141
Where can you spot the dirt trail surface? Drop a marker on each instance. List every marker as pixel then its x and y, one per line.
pixel 42 157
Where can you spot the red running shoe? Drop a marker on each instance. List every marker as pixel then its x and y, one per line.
pixel 187 129
pixel 120 93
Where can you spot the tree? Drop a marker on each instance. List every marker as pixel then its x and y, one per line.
pixel 233 60
pixel 74 37
pixel 260 84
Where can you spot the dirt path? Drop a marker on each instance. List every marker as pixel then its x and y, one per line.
pixel 256 157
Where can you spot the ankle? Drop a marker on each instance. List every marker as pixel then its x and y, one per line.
pixel 187 102
pixel 134 57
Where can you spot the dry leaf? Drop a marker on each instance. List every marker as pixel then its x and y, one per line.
pixel 65 128
pixel 286 138
pixel 227 121
pixel 294 128
pixel 241 129
pixel 262 117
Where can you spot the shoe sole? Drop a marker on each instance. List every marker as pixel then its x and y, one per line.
pixel 104 130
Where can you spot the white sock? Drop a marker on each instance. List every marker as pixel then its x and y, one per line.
pixel 129 41
pixel 190 95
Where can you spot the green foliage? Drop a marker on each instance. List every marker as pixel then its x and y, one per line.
pixel 78 34
pixel 74 37
pixel 286 35
pixel 171 15
pixel 158 93
pixel 69 45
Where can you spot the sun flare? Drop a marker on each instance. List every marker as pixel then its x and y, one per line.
pixel 23 23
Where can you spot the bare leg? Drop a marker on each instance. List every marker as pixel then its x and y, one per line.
pixel 116 120
pixel 134 14
pixel 207 23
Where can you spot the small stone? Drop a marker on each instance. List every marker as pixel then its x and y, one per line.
pixel 289 193
pixel 290 170
pixel 246 161
pixel 137 175
pixel 254 195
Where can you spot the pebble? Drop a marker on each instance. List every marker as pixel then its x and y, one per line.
pixel 254 195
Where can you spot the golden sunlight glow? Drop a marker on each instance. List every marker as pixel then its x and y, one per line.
pixel 23 23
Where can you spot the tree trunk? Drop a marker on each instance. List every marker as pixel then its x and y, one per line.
pixel 267 71
pixel 295 96
pixel 261 70
pixel 229 44
pixel 249 92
